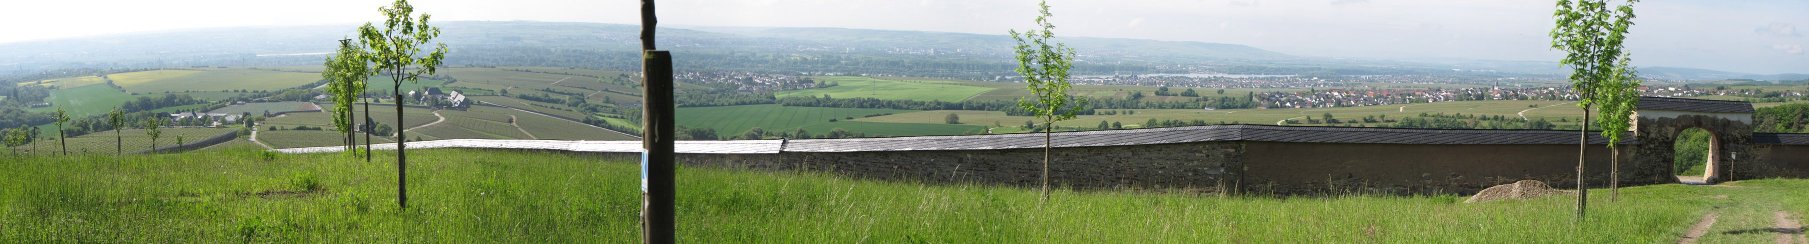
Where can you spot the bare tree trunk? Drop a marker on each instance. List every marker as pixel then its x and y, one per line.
pixel 119 143
pixel 367 129
pixel 401 151
pixel 1582 147
pixel 1048 143
pixel 1614 181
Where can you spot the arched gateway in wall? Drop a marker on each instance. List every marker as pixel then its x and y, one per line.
pixel 1659 120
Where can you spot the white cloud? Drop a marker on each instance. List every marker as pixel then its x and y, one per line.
pixel 1778 29
pixel 1792 49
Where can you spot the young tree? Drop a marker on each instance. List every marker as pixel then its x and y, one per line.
pixel 62 138
pixel 396 49
pixel 346 73
pixel 152 128
pixel 14 138
pixel 118 119
pixel 1618 97
pixel 952 119
pixel 1591 34
pixel 1044 63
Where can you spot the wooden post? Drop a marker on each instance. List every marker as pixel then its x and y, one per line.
pixel 656 135
pixel 657 139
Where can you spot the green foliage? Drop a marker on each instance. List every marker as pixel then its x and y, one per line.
pixel 153 127
pixel 346 73
pixel 1044 63
pixel 1592 35
pixel 1691 151
pixel 1787 118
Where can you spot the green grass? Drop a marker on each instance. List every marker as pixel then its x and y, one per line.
pixel 134 140
pixel 508 196
pixel 210 80
pixel 258 109
pixel 891 89
pixel 384 114
pixel 1010 92
pixel 85 101
pixel 735 120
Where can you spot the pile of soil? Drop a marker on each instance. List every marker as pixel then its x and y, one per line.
pixel 1519 190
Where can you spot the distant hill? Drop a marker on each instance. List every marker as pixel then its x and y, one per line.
pixel 815 50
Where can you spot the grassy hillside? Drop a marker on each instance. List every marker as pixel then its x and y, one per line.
pixel 86 100
pixel 507 196
pixel 161 81
pixel 134 140
pixel 891 89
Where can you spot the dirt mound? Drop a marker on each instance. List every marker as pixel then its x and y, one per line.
pixel 1519 190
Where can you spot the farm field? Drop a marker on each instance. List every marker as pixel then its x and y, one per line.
pixel 1010 92
pixel 891 89
pixel 383 115
pixel 69 82
pixel 485 122
pixel 134 140
pixel 1549 110
pixel 735 120
pixel 504 196
pixel 378 85
pixel 258 109
pixel 309 138
pixel 85 101
pixel 539 107
pixel 161 81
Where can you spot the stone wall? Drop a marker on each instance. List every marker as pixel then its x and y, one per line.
pixel 1772 161
pixel 1312 168
pixel 1194 166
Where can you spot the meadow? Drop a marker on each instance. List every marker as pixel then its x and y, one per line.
pixel 199 80
pixel 132 140
pixel 891 89
pixel 731 121
pixel 258 109
pixel 69 82
pixel 85 101
pixel 516 196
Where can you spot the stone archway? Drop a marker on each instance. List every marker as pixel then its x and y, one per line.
pixel 1658 122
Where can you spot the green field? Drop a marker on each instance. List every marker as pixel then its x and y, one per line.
pixel 134 140
pixel 486 122
pixel 1549 110
pixel 258 109
pixel 540 107
pixel 68 82
pixel 1010 92
pixel 891 89
pixel 735 120
pixel 85 101
pixel 509 196
pixel 310 138
pixel 383 115
pixel 205 80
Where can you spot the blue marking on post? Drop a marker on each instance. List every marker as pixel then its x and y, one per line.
pixel 644 163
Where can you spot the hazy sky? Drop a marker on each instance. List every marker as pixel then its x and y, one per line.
pixel 1759 36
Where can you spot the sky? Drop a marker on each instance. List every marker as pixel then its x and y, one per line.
pixel 1752 36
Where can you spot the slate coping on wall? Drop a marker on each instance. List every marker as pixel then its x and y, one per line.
pixel 1780 138
pixel 1215 133
pixel 1694 105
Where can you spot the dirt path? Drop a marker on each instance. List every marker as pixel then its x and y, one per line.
pixel 1788 229
pixel 1701 228
pixel 436 113
pixel 512 121
pixel 1278 122
pixel 254 137
pixel 1523 112
pixel 555 83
